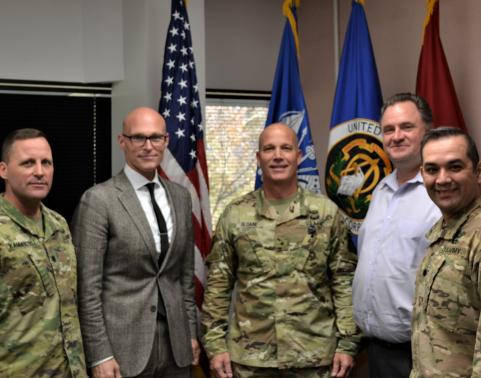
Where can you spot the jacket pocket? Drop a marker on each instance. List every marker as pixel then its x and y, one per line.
pixel 27 290
pixel 448 304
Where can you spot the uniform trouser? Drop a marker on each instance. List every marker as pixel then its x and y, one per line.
pixel 161 363
pixel 243 371
pixel 389 360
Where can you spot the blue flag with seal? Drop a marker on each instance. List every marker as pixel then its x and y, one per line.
pixel 356 160
pixel 287 103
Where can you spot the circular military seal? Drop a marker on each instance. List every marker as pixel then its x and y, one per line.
pixel 356 162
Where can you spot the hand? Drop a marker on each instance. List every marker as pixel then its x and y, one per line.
pixel 195 351
pixel 342 363
pixel 221 366
pixel 107 369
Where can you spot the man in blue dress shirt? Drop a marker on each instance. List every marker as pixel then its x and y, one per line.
pixel 392 240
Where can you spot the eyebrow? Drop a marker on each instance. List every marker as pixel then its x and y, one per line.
pixel 32 160
pixel 454 161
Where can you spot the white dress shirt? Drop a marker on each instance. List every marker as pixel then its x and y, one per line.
pixel 391 245
pixel 138 182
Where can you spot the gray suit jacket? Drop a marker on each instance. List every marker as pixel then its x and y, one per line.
pixel 119 278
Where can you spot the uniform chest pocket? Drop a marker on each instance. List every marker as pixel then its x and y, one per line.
pixel 318 251
pixel 251 256
pixel 448 303
pixel 27 285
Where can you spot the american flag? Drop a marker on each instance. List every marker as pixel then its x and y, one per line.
pixel 184 161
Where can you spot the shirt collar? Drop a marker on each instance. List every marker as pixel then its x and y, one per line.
pixel 137 180
pixel 391 181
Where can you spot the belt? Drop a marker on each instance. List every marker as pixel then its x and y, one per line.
pixel 389 345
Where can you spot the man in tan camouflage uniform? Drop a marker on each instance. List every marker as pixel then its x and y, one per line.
pixel 286 250
pixel 446 336
pixel 39 327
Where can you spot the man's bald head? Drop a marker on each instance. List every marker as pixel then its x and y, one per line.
pixel 142 115
pixel 275 127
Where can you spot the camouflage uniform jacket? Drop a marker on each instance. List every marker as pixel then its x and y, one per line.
pixel 39 327
pixel 446 336
pixel 293 306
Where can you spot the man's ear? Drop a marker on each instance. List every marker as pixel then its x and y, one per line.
pixel 3 170
pixel 121 140
pixel 478 173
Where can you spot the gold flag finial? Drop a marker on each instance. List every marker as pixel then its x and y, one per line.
pixel 430 9
pixel 287 11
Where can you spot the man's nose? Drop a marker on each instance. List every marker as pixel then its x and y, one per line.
pixel 443 177
pixel 148 144
pixel 398 134
pixel 38 169
pixel 277 153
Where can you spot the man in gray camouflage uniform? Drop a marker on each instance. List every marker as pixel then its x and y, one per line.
pixel 446 340
pixel 39 327
pixel 286 250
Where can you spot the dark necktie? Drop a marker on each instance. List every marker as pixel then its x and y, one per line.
pixel 164 240
pixel 164 237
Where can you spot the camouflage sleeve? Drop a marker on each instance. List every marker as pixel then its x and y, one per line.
pixel 220 283
pixel 342 264
pixel 4 290
pixel 476 275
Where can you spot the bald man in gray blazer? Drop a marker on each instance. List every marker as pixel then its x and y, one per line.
pixel 136 296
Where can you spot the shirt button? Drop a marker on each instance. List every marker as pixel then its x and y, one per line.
pixel 153 308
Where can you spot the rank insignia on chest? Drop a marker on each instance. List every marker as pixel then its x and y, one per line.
pixel 312 221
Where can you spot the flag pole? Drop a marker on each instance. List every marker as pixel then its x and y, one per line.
pixel 335 23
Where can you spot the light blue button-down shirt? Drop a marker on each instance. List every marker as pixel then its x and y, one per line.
pixel 391 245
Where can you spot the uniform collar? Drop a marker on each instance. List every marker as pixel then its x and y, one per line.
pixel 450 230
pixel 25 222
pixel 297 206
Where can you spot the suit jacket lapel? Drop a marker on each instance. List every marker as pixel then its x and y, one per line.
pixel 172 200
pixel 128 199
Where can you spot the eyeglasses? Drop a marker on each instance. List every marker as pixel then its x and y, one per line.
pixel 140 140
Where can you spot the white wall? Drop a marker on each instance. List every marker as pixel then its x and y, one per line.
pixel 102 41
pixel 242 42
pixel 61 40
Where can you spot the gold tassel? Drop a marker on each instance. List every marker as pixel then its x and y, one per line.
pixel 287 11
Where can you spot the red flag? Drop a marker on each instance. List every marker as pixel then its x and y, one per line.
pixel 184 160
pixel 434 81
